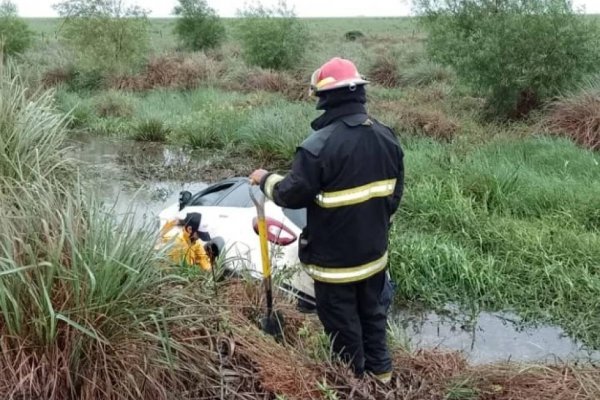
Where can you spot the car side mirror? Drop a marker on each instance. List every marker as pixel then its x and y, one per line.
pixel 184 199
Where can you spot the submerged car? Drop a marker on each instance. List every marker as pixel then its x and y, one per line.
pixel 228 212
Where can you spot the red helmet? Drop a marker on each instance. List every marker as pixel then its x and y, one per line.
pixel 335 73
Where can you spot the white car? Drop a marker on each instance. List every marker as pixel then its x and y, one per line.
pixel 228 212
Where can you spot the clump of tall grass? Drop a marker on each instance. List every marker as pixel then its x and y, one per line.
pixel 32 133
pixel 213 127
pixel 577 116
pixel 426 73
pixel 81 111
pixel 425 121
pixel 173 71
pixel 86 311
pixel 150 130
pixel 258 79
pixel 114 104
pixel 273 133
pixel 385 71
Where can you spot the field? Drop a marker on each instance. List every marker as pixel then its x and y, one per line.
pixel 496 216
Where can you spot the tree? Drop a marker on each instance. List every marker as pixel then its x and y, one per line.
pixel 272 37
pixel 515 53
pixel 15 35
pixel 107 35
pixel 198 26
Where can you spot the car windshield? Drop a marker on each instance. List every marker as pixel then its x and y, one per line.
pixel 237 194
pixel 211 195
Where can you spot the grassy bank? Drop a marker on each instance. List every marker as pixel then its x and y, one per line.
pixel 496 216
pixel 492 218
pixel 509 225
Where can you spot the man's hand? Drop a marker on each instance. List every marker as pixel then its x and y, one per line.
pixel 257 176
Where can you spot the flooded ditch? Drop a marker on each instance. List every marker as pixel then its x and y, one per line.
pixel 144 178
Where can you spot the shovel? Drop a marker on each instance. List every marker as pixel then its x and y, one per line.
pixel 272 323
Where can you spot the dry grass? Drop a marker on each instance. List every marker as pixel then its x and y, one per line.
pixel 577 116
pixel 385 71
pixel 57 76
pixel 269 81
pixel 227 356
pixel 172 71
pixel 419 120
pixel 260 367
pixel 508 382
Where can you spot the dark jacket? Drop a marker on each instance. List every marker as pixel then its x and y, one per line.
pixel 349 175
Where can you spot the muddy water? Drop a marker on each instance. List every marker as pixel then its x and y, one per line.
pixel 139 178
pixel 144 178
pixel 492 337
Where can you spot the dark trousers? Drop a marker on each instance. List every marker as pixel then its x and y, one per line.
pixel 355 318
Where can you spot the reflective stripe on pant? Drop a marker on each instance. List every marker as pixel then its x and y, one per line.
pixel 355 318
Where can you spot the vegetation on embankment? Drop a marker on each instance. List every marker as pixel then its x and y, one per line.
pixel 89 309
pixel 496 216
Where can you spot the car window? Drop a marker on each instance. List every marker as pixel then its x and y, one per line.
pixel 210 196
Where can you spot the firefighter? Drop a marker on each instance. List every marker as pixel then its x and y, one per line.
pixel 349 175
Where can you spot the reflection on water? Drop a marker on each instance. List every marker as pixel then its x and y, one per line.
pixel 108 163
pixel 492 337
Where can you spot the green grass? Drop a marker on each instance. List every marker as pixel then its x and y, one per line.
pixel 84 300
pixel 31 132
pixel 511 225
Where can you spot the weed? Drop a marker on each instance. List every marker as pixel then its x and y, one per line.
pixel 150 130
pixel 327 392
pixel 215 127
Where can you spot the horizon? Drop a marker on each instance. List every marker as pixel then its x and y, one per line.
pixel 306 9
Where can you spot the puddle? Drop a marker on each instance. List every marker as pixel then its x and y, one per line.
pixel 492 337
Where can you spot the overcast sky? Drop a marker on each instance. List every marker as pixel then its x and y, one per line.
pixel 304 8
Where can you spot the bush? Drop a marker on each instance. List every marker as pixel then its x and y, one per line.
pixel 198 27
pixel 272 38
pixel 257 79
pixel 516 54
pixel 106 36
pixel 15 35
pixel 352 36
pixel 577 116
